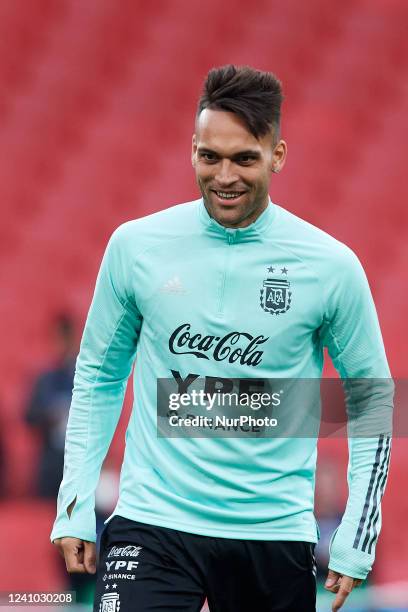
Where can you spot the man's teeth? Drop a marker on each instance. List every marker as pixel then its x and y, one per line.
pixel 227 196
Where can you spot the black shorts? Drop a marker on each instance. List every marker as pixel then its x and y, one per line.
pixel 144 568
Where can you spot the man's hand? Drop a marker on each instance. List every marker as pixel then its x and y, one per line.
pixel 342 585
pixel 79 555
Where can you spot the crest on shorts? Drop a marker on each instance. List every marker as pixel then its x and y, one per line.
pixel 276 296
pixel 109 603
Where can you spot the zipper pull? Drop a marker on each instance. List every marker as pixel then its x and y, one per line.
pixel 231 236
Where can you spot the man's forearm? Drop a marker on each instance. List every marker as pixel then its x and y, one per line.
pixel 352 549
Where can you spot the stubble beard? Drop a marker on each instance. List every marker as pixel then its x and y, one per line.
pixel 251 210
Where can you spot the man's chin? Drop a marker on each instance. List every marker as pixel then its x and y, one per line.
pixel 228 216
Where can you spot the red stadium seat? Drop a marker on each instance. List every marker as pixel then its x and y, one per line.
pixel 97 116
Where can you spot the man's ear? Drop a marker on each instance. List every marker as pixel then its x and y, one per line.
pixel 194 150
pixel 279 156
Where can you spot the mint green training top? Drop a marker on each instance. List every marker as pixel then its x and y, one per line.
pixel 179 271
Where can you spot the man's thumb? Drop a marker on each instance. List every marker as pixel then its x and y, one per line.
pixel 90 557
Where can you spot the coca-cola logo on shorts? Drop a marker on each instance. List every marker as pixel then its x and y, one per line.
pixel 125 551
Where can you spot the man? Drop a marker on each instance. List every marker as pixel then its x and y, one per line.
pixel 48 406
pixel 229 286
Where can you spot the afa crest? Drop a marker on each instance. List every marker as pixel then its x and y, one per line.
pixel 276 296
pixel 109 603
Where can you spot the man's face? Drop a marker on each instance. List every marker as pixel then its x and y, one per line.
pixel 233 168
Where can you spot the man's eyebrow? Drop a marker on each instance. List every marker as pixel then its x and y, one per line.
pixel 246 152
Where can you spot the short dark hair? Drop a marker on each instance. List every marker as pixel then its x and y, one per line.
pixel 253 95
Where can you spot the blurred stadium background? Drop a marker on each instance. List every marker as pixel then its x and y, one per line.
pixel 96 112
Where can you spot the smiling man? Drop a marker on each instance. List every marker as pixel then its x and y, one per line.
pixel 233 166
pixel 229 519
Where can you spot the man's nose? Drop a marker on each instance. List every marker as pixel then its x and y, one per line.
pixel 226 173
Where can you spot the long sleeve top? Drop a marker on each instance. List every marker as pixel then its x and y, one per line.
pixel 184 295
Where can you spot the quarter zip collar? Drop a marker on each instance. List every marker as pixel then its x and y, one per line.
pixel 252 232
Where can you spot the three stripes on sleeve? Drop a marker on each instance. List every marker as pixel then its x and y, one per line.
pixel 367 531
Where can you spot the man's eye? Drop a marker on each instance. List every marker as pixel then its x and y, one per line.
pixel 245 159
pixel 208 157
